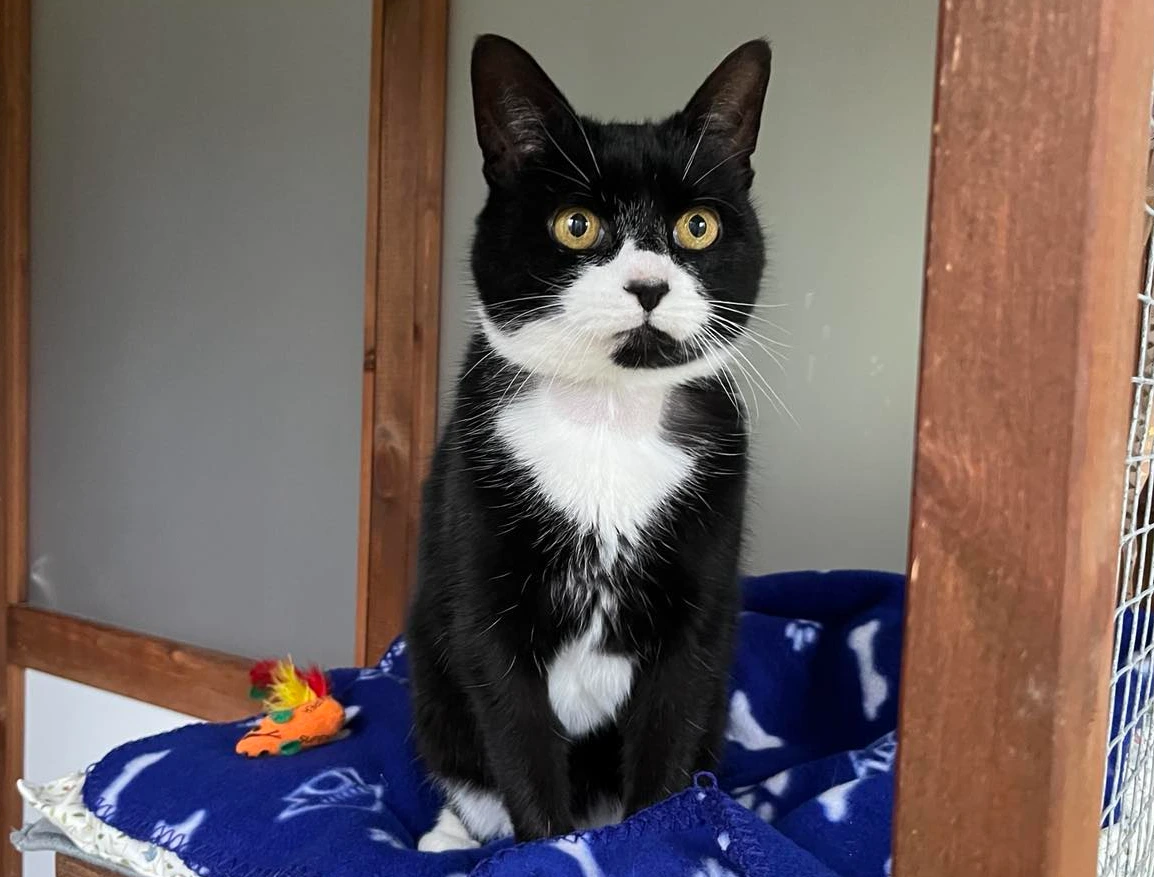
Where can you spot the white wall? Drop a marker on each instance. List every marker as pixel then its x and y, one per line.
pixel 842 174
pixel 68 727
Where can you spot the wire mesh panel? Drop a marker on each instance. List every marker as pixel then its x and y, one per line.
pixel 1127 836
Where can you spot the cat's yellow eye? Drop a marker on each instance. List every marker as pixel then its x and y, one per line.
pixel 696 229
pixel 576 228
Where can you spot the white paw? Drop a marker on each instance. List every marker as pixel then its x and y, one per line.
pixel 448 834
pixel 439 841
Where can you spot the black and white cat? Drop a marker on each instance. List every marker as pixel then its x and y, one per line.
pixel 572 628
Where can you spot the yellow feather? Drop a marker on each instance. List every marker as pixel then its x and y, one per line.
pixel 288 690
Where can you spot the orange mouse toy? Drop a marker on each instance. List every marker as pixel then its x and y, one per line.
pixel 299 711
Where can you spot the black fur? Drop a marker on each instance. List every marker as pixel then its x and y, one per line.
pixel 490 611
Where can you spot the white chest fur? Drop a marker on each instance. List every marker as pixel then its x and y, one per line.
pixel 598 455
pixel 587 686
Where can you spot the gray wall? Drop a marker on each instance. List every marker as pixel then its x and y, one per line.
pixel 198 208
pixel 842 172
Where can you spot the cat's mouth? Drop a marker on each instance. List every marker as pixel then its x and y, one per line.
pixel 648 347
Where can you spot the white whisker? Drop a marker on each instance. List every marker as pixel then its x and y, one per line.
pixel 695 151
pixel 764 386
pixel 748 329
pixel 568 177
pixel 735 154
pixel 588 145
pixel 740 304
pixel 584 180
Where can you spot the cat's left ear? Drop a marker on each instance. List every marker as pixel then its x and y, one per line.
pixel 729 104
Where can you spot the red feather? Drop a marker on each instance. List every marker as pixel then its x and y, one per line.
pixel 261 673
pixel 316 680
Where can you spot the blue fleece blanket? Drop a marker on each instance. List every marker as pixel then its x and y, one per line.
pixel 805 788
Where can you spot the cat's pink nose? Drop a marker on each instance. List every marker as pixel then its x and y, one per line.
pixel 648 292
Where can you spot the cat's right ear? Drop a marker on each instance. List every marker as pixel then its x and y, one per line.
pixel 514 100
pixel 729 104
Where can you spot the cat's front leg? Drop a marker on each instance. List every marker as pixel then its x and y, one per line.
pixel 674 726
pixel 526 751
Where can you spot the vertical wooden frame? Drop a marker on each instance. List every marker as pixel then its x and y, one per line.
pixel 1038 166
pixel 14 222
pixel 407 122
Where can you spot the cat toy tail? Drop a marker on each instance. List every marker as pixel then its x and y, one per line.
pixel 299 711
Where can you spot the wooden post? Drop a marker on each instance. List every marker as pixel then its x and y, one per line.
pixel 14 218
pixel 407 124
pixel 1040 135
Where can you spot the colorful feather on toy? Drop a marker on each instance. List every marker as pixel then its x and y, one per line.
pixel 317 681
pixel 289 688
pixel 261 677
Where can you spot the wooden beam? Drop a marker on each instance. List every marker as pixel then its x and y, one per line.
pixel 67 866
pixel 369 333
pixel 15 132
pixel 407 117
pixel 1039 148
pixel 200 682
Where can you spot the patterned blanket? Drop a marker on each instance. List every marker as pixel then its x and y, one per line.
pixel 805 788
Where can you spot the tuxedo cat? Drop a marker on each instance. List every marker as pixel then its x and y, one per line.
pixel 572 628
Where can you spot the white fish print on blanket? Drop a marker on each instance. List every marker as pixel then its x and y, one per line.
pixel 742 727
pixel 337 787
pixel 749 797
pixel 835 802
pixel 711 868
pixel 108 802
pixel 578 849
pixel 381 836
pixel 878 757
pixel 175 837
pixel 385 668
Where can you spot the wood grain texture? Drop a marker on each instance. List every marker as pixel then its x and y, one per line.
pixel 1035 223
pixel 15 135
pixel 200 682
pixel 369 334
pixel 67 866
pixel 406 226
